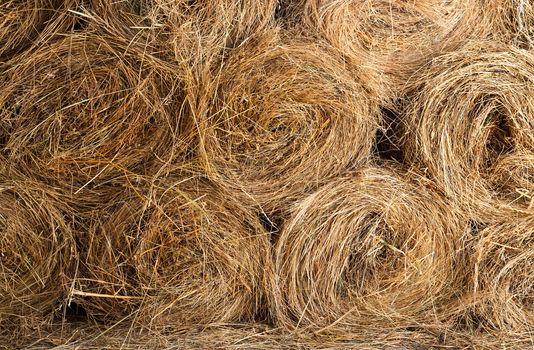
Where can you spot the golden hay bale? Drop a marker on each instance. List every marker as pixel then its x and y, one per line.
pixel 398 37
pixel 24 23
pixel 282 118
pixel 93 106
pixel 36 252
pixel 376 249
pixel 188 254
pixel 470 109
pixel 500 299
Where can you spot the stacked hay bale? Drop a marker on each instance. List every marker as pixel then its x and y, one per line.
pixel 174 166
pixel 279 109
pixel 37 254
pixel 376 248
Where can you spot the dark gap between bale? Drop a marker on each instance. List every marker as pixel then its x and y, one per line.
pixel 372 250
pixel 75 312
pixel 387 144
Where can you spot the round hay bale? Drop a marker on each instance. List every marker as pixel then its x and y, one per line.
pixel 93 107
pixel 374 250
pixel 469 110
pixel 396 37
pixel 188 254
pixel 283 118
pixel 500 299
pixel 36 252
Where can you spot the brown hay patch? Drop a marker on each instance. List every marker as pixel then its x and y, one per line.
pixel 94 106
pixel 500 299
pixel 507 20
pixel 374 249
pixel 397 37
pixel 25 23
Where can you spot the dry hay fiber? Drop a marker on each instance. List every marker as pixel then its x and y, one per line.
pixel 24 23
pixel 395 37
pixel 186 254
pixel 469 124
pixel 94 106
pixel 37 251
pixel 284 116
pixel 373 250
pixel 500 296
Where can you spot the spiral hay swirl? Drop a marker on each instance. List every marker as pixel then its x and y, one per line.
pixel 271 136
pixel 471 110
pixel 373 249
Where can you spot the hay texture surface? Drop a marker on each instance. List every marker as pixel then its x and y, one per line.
pixel 184 254
pixel 112 113
pixel 36 254
pixel 471 116
pixel 500 297
pixel 395 38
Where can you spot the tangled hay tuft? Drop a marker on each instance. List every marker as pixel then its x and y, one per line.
pixel 507 20
pixel 375 249
pixel 277 113
pixel 512 180
pixel 36 253
pixel 94 106
pixel 501 294
pixel 202 30
pixel 187 254
pixel 25 23
pixel 471 109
